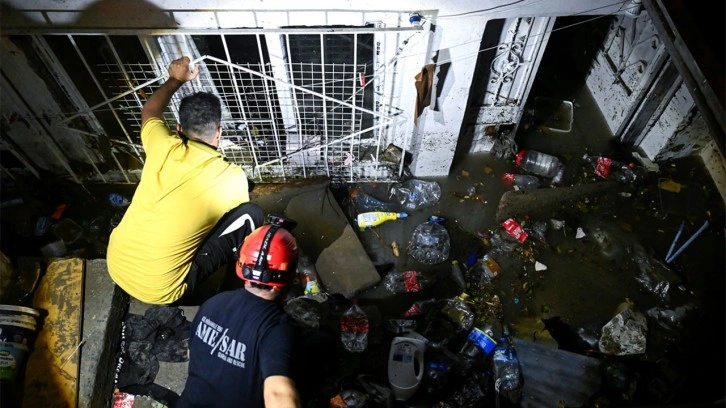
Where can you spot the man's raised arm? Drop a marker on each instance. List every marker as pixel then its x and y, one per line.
pixel 178 74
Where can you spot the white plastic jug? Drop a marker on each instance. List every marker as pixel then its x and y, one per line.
pixel 405 366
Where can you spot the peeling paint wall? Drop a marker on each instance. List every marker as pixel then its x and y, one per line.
pixel 679 131
pixel 716 166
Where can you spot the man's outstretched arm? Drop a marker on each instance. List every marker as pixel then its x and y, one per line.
pixel 280 392
pixel 159 100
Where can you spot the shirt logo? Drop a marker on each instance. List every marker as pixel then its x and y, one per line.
pixel 227 349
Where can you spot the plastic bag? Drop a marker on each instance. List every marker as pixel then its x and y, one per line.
pixel 430 243
pixel 354 329
pixel 306 311
pixel 416 194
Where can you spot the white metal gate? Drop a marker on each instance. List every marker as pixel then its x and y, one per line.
pixel 281 118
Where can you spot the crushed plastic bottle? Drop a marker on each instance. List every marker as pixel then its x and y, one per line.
pixel 364 202
pixel 419 307
pixel 483 271
pixel 507 372
pixel 430 242
pixel 416 194
pixel 608 168
pixel 541 164
pixel 520 181
pixel 458 312
pixel 405 282
pixel 354 329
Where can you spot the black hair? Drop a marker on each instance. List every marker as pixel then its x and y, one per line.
pixel 200 115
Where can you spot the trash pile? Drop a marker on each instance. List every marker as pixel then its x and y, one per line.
pixel 460 351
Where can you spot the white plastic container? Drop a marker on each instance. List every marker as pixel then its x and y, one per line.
pixel 406 366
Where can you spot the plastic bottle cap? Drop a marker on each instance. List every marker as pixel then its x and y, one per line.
pixel 402 215
pixel 519 158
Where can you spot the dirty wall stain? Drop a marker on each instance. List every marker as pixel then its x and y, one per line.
pixel 51 378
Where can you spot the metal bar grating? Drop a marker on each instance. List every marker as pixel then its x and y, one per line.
pixel 252 120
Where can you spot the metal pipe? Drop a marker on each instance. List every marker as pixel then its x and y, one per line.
pixel 687 243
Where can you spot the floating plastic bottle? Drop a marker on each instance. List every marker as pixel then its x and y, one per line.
pixel 366 203
pixel 354 329
pixel 419 307
pixel 415 194
pixel 458 275
pixel 520 181
pixel 507 372
pixel 375 218
pixel 610 169
pixel 541 164
pixel 478 342
pixel 483 271
pixel 430 242
pixel 405 282
pixel 458 312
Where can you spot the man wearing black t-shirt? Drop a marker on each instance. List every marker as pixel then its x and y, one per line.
pixel 240 349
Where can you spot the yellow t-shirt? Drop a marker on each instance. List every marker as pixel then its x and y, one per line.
pixel 182 194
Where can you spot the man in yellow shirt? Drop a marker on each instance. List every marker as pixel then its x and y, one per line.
pixel 190 212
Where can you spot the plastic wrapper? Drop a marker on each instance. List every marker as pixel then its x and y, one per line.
pixel 405 282
pixel 653 275
pixel 416 194
pixel 307 312
pixel 354 327
pixel 537 230
pixel 430 243
pixel 670 319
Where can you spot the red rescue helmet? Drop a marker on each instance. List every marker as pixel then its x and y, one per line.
pixel 279 256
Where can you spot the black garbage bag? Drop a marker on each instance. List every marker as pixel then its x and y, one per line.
pixel 136 363
pixel 161 334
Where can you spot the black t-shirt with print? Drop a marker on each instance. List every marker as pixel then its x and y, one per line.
pixel 237 340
